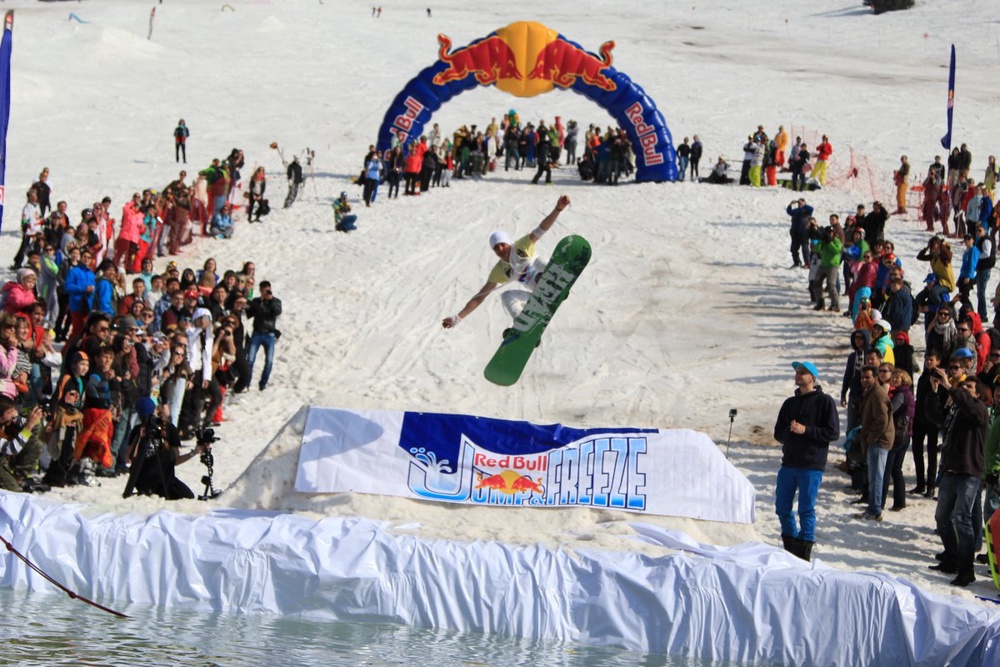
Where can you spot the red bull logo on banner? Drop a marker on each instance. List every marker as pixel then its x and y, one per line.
pixel 501 58
pixel 489 60
pixel 526 59
pixel 599 472
pixel 474 460
pixel 563 62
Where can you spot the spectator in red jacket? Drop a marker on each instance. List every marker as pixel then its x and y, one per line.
pixel 414 163
pixel 823 153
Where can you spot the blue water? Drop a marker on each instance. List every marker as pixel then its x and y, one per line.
pixel 41 628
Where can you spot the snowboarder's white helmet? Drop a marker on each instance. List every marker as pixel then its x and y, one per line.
pixel 500 237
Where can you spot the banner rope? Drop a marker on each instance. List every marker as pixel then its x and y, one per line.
pixel 73 595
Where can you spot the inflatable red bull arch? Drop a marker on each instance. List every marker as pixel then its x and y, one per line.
pixel 527 59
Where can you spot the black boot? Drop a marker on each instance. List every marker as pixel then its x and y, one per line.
pixel 789 544
pixel 803 549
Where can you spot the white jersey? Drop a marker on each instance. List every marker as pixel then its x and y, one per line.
pixel 31 218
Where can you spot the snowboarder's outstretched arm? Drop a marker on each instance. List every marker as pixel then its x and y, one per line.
pixel 550 219
pixel 474 302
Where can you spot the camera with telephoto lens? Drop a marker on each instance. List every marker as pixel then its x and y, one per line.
pixel 205 436
pixel 153 437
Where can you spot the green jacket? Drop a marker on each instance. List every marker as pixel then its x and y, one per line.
pixel 830 253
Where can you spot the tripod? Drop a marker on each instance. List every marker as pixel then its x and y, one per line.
pixel 208 460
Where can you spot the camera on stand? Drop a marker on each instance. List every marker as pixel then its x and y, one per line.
pixel 205 437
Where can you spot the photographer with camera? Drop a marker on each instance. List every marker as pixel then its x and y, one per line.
pixel 154 451
pixel 265 311
pixel 962 466
pixel 20 447
pixel 800 212
pixel 831 246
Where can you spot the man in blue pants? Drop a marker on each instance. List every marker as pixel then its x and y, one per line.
pixel 265 311
pixel 807 424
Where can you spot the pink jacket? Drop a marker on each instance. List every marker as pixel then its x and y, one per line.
pixel 17 297
pixel 8 359
pixel 131 223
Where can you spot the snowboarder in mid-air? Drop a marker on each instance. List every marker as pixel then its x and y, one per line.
pixel 517 263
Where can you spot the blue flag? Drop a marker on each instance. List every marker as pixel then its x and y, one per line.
pixel 5 48
pixel 946 139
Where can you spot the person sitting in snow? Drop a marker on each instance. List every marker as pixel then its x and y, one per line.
pixel 222 222
pixel 342 216
pixel 720 173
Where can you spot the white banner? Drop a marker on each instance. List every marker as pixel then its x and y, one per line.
pixel 483 461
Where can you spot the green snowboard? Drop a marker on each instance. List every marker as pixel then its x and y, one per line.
pixel 568 261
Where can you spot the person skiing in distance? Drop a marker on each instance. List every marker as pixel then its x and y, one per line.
pixel 295 180
pixel 181 134
pixel 517 262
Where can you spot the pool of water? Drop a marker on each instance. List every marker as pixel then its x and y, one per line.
pixel 44 629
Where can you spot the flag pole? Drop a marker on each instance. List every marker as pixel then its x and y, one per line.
pixel 946 139
pixel 6 44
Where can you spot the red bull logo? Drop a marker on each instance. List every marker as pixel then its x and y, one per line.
pixel 646 133
pixel 501 59
pixel 563 63
pixel 403 122
pixel 489 60
pixel 509 482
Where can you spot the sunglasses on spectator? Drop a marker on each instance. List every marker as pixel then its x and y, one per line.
pixel 964 329
pixel 954 367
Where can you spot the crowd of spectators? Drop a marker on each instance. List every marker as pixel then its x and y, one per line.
pixel 435 159
pixel 84 349
pixel 901 309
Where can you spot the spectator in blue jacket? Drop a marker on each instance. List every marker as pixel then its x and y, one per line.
pixel 985 210
pixel 104 299
pixel 897 309
pixel 967 274
pixel 222 222
pixel 373 174
pixel 80 288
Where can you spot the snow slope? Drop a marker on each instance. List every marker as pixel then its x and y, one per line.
pixel 687 308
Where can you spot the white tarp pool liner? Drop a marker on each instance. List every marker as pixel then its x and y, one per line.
pixel 750 603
